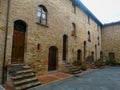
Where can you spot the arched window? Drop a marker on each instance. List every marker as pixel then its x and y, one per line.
pixel 89 36
pixel 88 20
pixel 73 8
pixel 73 33
pixel 42 15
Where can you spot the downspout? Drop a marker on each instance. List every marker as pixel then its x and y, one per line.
pixel 4 68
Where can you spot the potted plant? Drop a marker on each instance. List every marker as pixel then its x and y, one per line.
pixel 99 63
pixel 89 58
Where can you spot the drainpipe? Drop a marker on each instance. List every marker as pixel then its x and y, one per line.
pixel 4 68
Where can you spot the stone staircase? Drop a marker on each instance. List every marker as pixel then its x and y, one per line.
pixel 72 69
pixel 23 77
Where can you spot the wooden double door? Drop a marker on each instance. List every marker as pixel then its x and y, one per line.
pixel 18 47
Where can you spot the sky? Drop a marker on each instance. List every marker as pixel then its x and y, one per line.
pixel 107 11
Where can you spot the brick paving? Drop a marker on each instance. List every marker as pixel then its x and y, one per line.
pixel 53 77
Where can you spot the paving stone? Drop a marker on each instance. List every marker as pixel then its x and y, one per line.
pixel 101 79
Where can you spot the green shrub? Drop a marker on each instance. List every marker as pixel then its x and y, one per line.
pixel 99 62
pixel 111 62
pixel 83 67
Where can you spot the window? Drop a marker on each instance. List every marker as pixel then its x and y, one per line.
pixel 42 15
pixel 73 33
pixel 89 36
pixel 98 40
pixel 88 20
pixel 73 8
pixel 98 27
pixel 38 47
pixel 112 56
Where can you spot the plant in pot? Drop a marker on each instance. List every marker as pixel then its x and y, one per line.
pixel 99 63
pixel 89 58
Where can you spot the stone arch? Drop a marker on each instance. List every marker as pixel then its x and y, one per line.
pixel 95 52
pixel 79 56
pixel 65 47
pixel 85 49
pixel 18 42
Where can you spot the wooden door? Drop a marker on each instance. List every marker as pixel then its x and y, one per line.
pixel 18 46
pixel 52 63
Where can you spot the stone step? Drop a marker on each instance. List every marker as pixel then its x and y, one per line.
pixel 27 86
pixel 21 72
pixel 73 67
pixel 73 70
pixel 25 81
pixel 69 65
pixel 22 76
pixel 13 69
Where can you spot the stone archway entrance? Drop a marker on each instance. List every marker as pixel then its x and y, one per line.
pixel 85 46
pixel 52 62
pixel 18 42
pixel 65 47
pixel 79 56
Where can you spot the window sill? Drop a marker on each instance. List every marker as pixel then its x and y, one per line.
pixel 41 24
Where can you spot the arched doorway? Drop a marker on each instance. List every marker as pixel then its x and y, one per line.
pixel 18 42
pixel 65 47
pixel 84 49
pixel 79 56
pixel 92 55
pixel 52 63
pixel 95 52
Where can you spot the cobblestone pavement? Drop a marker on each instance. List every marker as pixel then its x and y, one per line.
pixel 102 79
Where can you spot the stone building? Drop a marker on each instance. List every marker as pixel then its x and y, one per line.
pixel 111 40
pixel 47 33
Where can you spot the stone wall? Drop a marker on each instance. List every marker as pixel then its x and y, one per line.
pixel 60 18
pixel 111 40
pixel 3 6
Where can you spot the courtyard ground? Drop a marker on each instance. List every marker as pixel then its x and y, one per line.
pixel 107 78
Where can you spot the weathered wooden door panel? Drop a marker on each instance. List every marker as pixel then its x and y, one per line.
pixel 18 46
pixel 52 63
